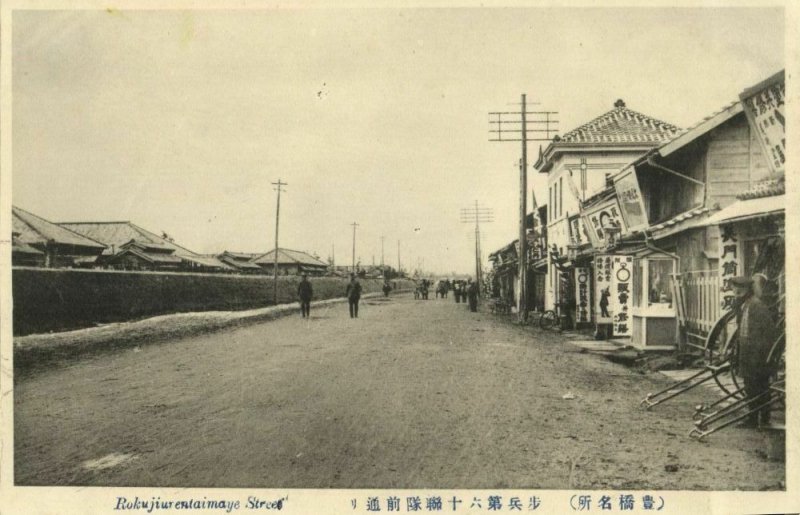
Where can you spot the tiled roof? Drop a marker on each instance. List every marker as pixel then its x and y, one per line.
pixel 241 256
pixel 289 256
pixel 120 233
pixel 687 220
pixel 152 257
pixel 207 261
pixel 622 125
pixel 34 229
pixel 238 264
pixel 24 248
pixel 766 188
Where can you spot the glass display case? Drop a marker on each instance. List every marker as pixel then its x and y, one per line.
pixel 654 321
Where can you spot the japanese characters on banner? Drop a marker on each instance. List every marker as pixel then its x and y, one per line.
pixel 603 267
pixel 603 215
pixel 577 231
pixel 623 272
pixel 613 276
pixel 630 200
pixel 766 111
pixel 729 263
pixel 582 304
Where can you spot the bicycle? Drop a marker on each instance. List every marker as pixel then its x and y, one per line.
pixel 548 319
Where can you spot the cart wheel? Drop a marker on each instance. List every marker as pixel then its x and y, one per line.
pixel 722 347
pixel 548 319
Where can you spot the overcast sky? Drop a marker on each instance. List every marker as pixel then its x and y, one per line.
pixel 179 121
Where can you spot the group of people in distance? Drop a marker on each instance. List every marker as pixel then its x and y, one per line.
pixel 466 291
pixel 463 291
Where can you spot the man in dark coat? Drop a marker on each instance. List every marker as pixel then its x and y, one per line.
pixel 472 296
pixel 353 294
pixel 756 335
pixel 305 292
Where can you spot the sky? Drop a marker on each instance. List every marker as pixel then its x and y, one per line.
pixel 179 121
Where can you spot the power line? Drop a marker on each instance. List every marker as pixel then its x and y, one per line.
pixel 497 120
pixel 476 215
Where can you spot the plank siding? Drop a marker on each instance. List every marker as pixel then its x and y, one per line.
pixel 728 161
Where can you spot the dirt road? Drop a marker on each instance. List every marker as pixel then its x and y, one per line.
pixel 411 394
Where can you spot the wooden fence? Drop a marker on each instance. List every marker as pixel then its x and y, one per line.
pixel 697 296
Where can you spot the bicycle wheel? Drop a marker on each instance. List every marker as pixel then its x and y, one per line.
pixel 548 319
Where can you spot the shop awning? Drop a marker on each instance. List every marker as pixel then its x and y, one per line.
pixel 747 209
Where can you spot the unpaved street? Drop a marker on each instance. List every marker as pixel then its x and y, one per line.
pixel 411 394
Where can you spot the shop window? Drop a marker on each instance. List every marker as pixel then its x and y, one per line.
pixel 658 277
pixel 652 282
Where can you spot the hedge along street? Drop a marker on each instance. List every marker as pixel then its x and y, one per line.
pixel 42 350
pixel 58 299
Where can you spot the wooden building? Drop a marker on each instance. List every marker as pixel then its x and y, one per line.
pixel 116 235
pixel 291 262
pixel 59 246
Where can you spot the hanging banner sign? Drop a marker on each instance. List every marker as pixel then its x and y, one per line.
pixel 577 231
pixel 602 288
pixel 765 107
pixel 582 304
pixel 623 272
pixel 630 201
pixel 597 218
pixel 729 264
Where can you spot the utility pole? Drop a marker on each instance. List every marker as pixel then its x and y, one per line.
pixel 398 256
pixel 354 245
pixel 382 263
pixel 278 187
pixel 520 133
pixel 477 214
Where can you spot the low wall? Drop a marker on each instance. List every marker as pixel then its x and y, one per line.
pixel 60 299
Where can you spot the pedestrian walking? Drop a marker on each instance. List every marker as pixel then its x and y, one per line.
pixel 353 294
pixel 472 296
pixel 305 292
pixel 756 335
pixel 386 288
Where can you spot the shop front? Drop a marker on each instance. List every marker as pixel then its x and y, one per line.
pixel 654 322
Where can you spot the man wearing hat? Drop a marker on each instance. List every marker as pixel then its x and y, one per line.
pixel 353 295
pixel 756 336
pixel 305 292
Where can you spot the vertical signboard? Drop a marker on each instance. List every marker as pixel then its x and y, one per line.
pixel 622 273
pixel 765 106
pixel 729 263
pixel 630 201
pixel 612 299
pixel 602 284
pixel 582 304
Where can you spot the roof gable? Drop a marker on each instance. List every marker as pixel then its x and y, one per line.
pixel 34 229
pixel 288 256
pixel 622 125
pixel 120 233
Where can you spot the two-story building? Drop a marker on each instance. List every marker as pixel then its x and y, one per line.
pixel 578 166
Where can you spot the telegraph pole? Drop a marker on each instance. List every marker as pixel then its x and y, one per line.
pixel 278 187
pixel 382 263
pixel 398 256
pixel 477 214
pixel 520 133
pixel 354 245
